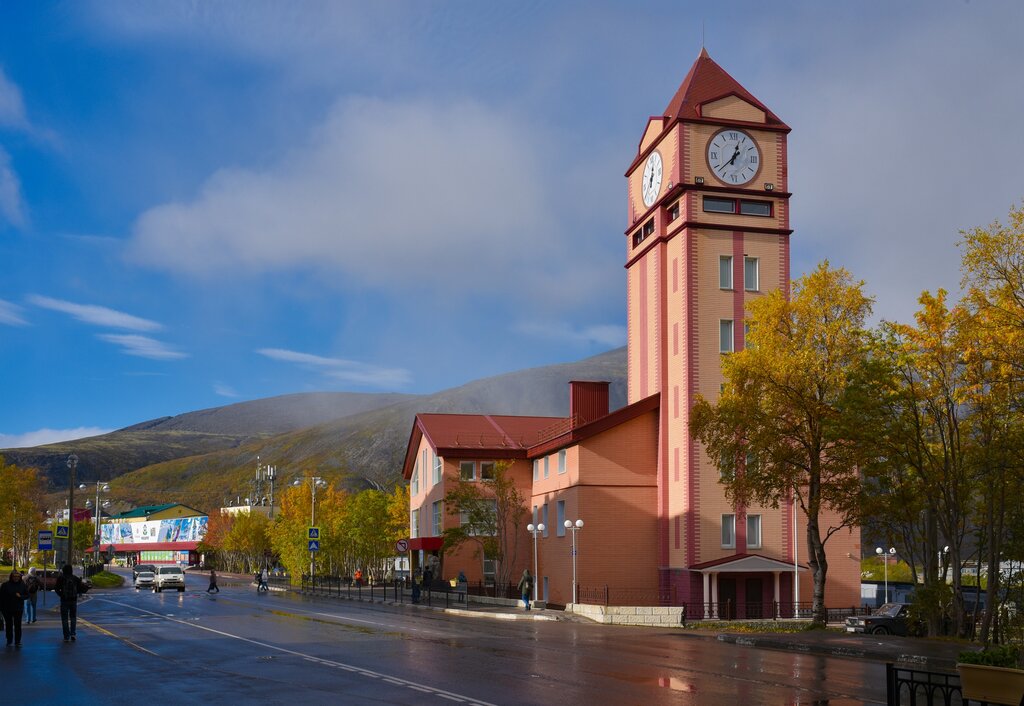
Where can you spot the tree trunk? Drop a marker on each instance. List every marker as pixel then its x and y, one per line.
pixel 819 570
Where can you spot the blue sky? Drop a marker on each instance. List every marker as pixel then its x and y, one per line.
pixel 208 202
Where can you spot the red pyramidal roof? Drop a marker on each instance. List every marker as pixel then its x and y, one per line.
pixel 707 81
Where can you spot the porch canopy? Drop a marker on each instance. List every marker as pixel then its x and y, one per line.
pixel 742 564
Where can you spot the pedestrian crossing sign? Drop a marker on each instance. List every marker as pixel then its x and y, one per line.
pixel 62 531
pixel 314 533
pixel 314 545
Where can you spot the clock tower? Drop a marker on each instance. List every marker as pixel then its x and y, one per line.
pixel 708 215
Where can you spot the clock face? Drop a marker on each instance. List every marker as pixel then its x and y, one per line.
pixel 652 179
pixel 733 156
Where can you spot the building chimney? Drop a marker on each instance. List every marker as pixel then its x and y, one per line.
pixel 587 401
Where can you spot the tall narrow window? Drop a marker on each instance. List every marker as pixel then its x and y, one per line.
pixel 437 469
pixel 547 466
pixel 560 525
pixel 536 471
pixel 753 531
pixel 728 531
pixel 725 336
pixel 544 518
pixel 467 470
pixel 561 461
pixel 414 524
pixel 435 524
pixel 750 274
pixel 487 470
pixel 424 466
pixel 725 272
pixel 416 480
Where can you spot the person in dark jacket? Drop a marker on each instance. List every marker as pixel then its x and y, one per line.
pixel 13 594
pixel 69 587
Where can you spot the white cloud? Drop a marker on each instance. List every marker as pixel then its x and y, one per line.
pixel 98 315
pixel 12 206
pixel 12 108
pixel 10 314
pixel 224 390
pixel 142 346
pixel 48 436
pixel 342 370
pixel 392 195
pixel 609 335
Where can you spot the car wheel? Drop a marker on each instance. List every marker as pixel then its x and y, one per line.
pixel 880 630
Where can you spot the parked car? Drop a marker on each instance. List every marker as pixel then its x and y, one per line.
pixel 169 577
pixel 47 578
pixel 145 579
pixel 142 567
pixel 890 619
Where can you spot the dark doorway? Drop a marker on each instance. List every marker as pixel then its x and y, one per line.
pixel 754 589
pixel 727 599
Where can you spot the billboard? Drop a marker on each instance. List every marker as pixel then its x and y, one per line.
pixel 179 529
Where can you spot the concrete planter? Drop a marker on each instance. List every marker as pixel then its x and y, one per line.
pixel 996 685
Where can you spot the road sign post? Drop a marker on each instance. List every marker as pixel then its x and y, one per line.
pixel 45 543
pixel 314 545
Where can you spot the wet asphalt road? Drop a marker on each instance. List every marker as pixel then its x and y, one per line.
pixel 287 649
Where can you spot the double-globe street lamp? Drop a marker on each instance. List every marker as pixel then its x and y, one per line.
pixel 101 487
pixel 574 527
pixel 535 530
pixel 314 483
pixel 885 559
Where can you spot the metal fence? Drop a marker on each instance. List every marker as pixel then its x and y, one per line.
pixel 401 590
pixel 915 687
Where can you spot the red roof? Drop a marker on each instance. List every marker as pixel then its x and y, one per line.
pixel 706 82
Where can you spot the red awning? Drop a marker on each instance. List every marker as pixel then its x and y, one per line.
pixel 152 547
pixel 430 544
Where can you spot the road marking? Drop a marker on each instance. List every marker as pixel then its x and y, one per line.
pixel 369 673
pixel 125 640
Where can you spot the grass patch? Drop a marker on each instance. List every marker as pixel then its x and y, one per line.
pixel 105 579
pixel 753 627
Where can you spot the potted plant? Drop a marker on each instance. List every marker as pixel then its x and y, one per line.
pixel 993 675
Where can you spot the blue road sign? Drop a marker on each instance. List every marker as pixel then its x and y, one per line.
pixel 314 533
pixel 314 545
pixel 62 531
pixel 45 540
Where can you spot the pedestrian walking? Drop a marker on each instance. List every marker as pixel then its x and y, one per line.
pixel 34 584
pixel 264 577
pixel 525 586
pixel 69 587
pixel 213 582
pixel 13 594
pixel 428 578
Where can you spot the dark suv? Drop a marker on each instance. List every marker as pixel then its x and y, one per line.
pixel 141 567
pixel 47 578
pixel 890 619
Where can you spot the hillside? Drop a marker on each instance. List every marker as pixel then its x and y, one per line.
pixel 368 448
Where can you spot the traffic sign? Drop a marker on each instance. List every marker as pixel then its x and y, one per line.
pixel 62 531
pixel 314 545
pixel 314 533
pixel 402 546
pixel 45 540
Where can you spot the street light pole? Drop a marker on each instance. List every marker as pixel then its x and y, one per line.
pixel 314 483
pixel 104 487
pixel 72 465
pixel 574 528
pixel 885 558
pixel 535 531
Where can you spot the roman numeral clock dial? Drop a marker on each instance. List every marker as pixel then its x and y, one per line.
pixel 652 179
pixel 733 156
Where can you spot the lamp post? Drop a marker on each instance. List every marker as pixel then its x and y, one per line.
pixel 574 527
pixel 72 466
pixel 101 487
pixel 535 530
pixel 885 558
pixel 314 483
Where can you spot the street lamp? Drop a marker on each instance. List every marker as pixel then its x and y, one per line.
pixel 535 530
pixel 72 466
pixel 574 528
pixel 885 558
pixel 314 483
pixel 104 488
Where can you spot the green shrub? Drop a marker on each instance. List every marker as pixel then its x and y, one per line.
pixel 996 656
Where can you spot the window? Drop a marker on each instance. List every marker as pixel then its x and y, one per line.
pixel 750 274
pixel 725 272
pixel 544 518
pixel 728 531
pixel 560 525
pixel 561 461
pixel 750 462
pixel 436 519
pixel 490 569
pixel 755 208
pixel 753 531
pixel 423 464
pixel 414 524
pixel 416 480
pixel 467 470
pixel 534 515
pixel 726 467
pixel 673 211
pixel 437 469
pixel 547 466
pixel 487 470
pixel 536 471
pixel 725 336
pixel 647 229
pixel 713 205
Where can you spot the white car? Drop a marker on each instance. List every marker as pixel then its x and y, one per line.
pixel 169 577
pixel 144 579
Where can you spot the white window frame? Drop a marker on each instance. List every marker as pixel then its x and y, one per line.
pixel 415 482
pixel 754 532
pixel 748 285
pixel 547 466
pixel 437 468
pixel 726 335
pixel 436 518
pixel 536 470
pixel 561 461
pixel 483 474
pixel 414 523
pixel 725 272
pixel 423 464
pixel 728 531
pixel 544 518
pixel 472 467
pixel 560 513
